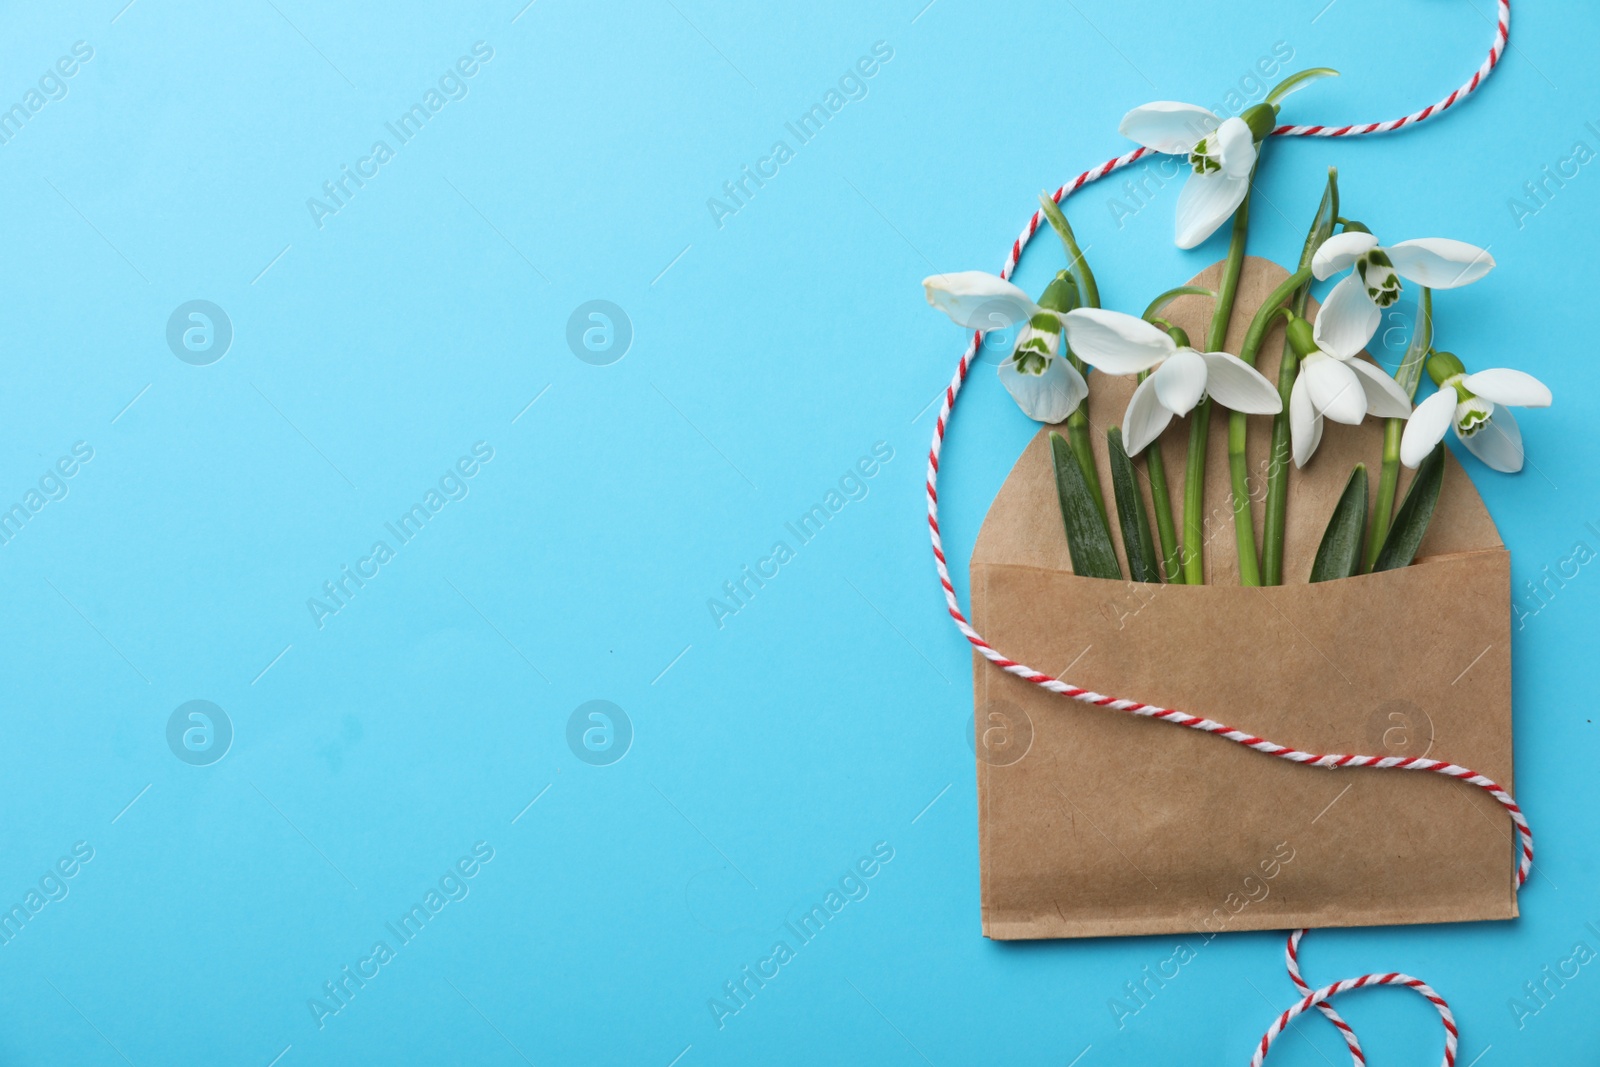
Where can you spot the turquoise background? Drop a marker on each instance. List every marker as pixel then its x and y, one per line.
pixel 765 757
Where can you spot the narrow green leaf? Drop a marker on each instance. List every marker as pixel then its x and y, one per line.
pixel 1409 373
pixel 1083 448
pixel 1131 516
pixel 1087 538
pixel 1295 82
pixel 1339 555
pixel 1322 225
pixel 1075 258
pixel 1416 511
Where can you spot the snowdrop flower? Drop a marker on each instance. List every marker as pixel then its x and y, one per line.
pixel 1116 343
pixel 1374 284
pixel 1335 383
pixel 1045 386
pixel 1475 404
pixel 1221 152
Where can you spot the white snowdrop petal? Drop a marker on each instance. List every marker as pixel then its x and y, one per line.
pixel 1144 419
pixel 1168 126
pixel 1340 252
pixel 1502 385
pixel 1385 398
pixel 1240 387
pixel 1347 319
pixel 1206 202
pixel 1427 426
pixel 1305 425
pixel 978 300
pixel 1236 146
pixel 1114 342
pixel 1180 382
pixel 1499 443
pixel 1048 397
pixel 1335 390
pixel 1439 263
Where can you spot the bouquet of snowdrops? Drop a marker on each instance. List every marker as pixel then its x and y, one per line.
pixel 1321 377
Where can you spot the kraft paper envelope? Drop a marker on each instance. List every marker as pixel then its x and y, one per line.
pixel 1094 822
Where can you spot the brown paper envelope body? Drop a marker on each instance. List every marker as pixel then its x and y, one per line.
pixel 1094 822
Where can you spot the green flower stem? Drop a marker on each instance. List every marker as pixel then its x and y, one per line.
pixel 1244 522
pixel 1172 294
pixel 1166 529
pixel 1078 437
pixel 1228 290
pixel 1276 509
pixel 1194 494
pixel 1278 463
pixel 1155 462
pixel 1409 376
pixel 1388 482
pixel 1194 485
pixel 1276 304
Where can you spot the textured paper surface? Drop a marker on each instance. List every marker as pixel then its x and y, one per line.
pixel 1094 822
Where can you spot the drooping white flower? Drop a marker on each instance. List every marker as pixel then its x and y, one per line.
pixel 1045 386
pixel 1221 152
pixel 1436 262
pixel 1477 406
pixel 1116 343
pixel 1334 381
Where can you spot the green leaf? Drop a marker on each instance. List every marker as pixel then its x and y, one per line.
pixel 1083 448
pixel 1295 82
pixel 1339 555
pixel 1088 540
pixel 1075 258
pixel 1416 511
pixel 1322 225
pixel 1131 516
pixel 1409 373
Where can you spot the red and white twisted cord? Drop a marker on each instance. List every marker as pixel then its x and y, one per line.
pixel 1292 963
pixel 1502 34
pixel 1319 997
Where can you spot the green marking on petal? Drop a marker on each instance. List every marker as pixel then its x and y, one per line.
pixel 1036 347
pixel 1473 415
pixel 1206 157
pixel 1377 273
pixel 1033 363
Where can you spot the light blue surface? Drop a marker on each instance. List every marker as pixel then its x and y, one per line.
pixel 769 354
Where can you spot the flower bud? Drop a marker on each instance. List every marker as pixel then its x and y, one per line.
pixel 1061 294
pixel 1301 337
pixel 1443 366
pixel 1261 119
